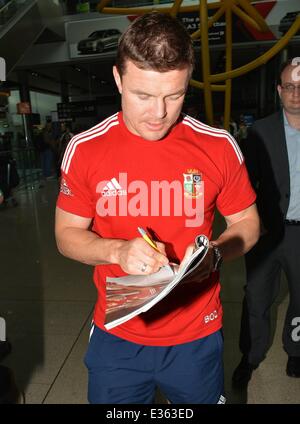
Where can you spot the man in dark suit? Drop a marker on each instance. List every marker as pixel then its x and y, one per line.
pixel 272 154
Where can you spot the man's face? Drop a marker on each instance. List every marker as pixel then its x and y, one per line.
pixel 151 100
pixel 289 91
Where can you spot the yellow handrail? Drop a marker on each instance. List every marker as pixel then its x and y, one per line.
pixel 261 60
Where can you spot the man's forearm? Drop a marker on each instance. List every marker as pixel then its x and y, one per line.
pixel 238 238
pixel 87 247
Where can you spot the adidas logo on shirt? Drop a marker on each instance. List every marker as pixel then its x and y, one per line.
pixel 113 189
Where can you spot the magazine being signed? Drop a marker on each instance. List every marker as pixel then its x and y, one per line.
pixel 128 296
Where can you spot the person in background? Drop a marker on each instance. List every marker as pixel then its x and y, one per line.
pixel 48 151
pixel 9 179
pixel 233 128
pixel 272 153
pixel 63 142
pixel 242 133
pixel 112 176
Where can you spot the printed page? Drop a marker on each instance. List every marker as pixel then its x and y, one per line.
pixel 131 295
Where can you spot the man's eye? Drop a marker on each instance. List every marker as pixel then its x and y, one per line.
pixel 289 87
pixel 176 97
pixel 143 96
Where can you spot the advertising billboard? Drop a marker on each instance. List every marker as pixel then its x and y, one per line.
pixel 99 37
pixel 92 37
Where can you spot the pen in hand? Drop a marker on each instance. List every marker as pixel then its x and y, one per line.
pixel 148 239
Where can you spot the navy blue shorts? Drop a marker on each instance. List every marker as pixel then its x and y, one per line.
pixel 124 372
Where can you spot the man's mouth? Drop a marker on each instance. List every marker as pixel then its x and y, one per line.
pixel 155 126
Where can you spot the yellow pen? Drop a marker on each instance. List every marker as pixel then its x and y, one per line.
pixel 148 239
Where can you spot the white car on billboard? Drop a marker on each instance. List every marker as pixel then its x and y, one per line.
pixel 98 41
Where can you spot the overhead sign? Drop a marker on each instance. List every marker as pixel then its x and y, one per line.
pixel 68 111
pixel 4 92
pixel 24 108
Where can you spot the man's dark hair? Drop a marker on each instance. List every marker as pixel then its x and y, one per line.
pixel 155 41
pixel 282 68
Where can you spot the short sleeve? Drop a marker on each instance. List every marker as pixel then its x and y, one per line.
pixel 75 194
pixel 236 193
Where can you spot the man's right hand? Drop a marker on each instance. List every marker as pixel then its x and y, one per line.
pixel 136 257
pixel 75 240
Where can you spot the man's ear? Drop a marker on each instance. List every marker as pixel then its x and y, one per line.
pixel 279 90
pixel 117 78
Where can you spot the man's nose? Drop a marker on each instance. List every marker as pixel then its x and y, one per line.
pixel 159 108
pixel 296 91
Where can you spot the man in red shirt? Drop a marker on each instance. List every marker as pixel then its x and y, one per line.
pixel 152 167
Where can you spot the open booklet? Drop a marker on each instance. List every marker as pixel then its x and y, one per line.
pixel 128 296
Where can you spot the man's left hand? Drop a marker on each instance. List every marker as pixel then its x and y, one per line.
pixel 203 271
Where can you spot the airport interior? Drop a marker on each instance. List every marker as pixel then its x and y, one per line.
pixel 56 59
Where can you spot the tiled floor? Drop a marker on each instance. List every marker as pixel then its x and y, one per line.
pixel 47 301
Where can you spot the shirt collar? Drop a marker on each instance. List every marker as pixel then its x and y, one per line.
pixel 287 126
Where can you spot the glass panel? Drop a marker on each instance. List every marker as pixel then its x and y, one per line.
pixel 8 9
